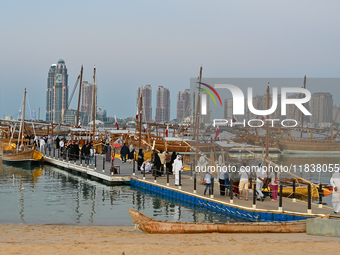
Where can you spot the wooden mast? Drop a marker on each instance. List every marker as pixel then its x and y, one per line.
pixel 81 81
pixel 267 125
pixel 94 104
pixel 198 109
pixel 140 119
pixel 23 120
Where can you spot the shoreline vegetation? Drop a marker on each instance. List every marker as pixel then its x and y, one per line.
pixel 65 239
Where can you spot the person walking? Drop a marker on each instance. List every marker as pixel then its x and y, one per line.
pixel 124 151
pixel 274 184
pixel 207 180
pixel 178 166
pixel 335 182
pixel 261 177
pixel 244 180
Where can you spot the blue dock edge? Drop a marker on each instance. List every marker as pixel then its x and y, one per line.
pixel 248 214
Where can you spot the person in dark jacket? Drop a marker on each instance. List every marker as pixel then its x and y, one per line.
pixel 87 153
pixel 71 151
pixel 57 141
pixel 76 150
pixel 158 164
pixel 131 153
pixel 123 152
pixel 168 163
pixel 140 159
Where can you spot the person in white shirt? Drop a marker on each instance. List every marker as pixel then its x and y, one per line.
pixel 261 177
pixel 177 167
pixel 244 180
pixel 42 144
pixel 146 166
pixel 335 182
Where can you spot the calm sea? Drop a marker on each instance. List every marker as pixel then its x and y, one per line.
pixel 48 195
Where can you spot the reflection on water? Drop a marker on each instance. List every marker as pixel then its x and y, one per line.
pixel 53 196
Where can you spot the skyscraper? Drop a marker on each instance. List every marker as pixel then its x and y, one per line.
pixel 183 104
pixel 163 104
pixel 146 91
pixel 321 108
pixel 57 92
pixel 87 100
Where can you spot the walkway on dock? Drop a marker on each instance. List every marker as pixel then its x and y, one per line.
pixel 101 170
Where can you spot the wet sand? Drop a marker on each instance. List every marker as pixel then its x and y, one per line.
pixel 57 239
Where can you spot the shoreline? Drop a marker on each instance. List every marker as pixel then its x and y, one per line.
pixel 69 239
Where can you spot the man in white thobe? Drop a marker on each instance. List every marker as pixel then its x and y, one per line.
pixel 177 167
pixel 335 182
pixel 261 176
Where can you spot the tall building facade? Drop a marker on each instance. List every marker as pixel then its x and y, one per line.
pixel 146 92
pixel 57 92
pixel 163 104
pixel 87 100
pixel 292 112
pixel 183 104
pixel 321 108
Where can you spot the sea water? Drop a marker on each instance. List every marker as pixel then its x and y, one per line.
pixel 49 195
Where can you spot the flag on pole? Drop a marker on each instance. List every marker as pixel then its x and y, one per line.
pixel 217 132
pixel 167 131
pixel 234 119
pixel 263 117
pixel 116 123
pixel 137 114
pixel 144 128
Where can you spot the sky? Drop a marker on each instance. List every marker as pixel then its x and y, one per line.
pixel 161 43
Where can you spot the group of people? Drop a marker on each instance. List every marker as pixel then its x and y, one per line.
pixel 240 181
pixel 127 152
pixel 163 163
pixel 71 149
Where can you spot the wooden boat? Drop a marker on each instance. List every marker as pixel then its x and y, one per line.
pixel 302 191
pixel 150 225
pixel 291 144
pixel 27 157
pixel 11 153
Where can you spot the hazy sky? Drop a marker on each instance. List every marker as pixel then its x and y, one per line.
pixel 134 43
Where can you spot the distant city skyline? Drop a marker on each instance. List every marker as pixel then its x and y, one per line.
pixel 134 43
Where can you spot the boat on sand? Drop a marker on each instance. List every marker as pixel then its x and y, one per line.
pixel 153 226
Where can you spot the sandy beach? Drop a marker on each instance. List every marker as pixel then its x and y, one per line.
pixel 59 239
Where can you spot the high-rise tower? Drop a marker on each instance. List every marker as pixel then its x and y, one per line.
pixel 146 91
pixel 87 100
pixel 183 104
pixel 57 92
pixel 163 104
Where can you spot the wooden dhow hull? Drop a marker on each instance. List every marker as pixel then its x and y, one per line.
pixel 302 145
pixel 28 157
pixel 150 225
